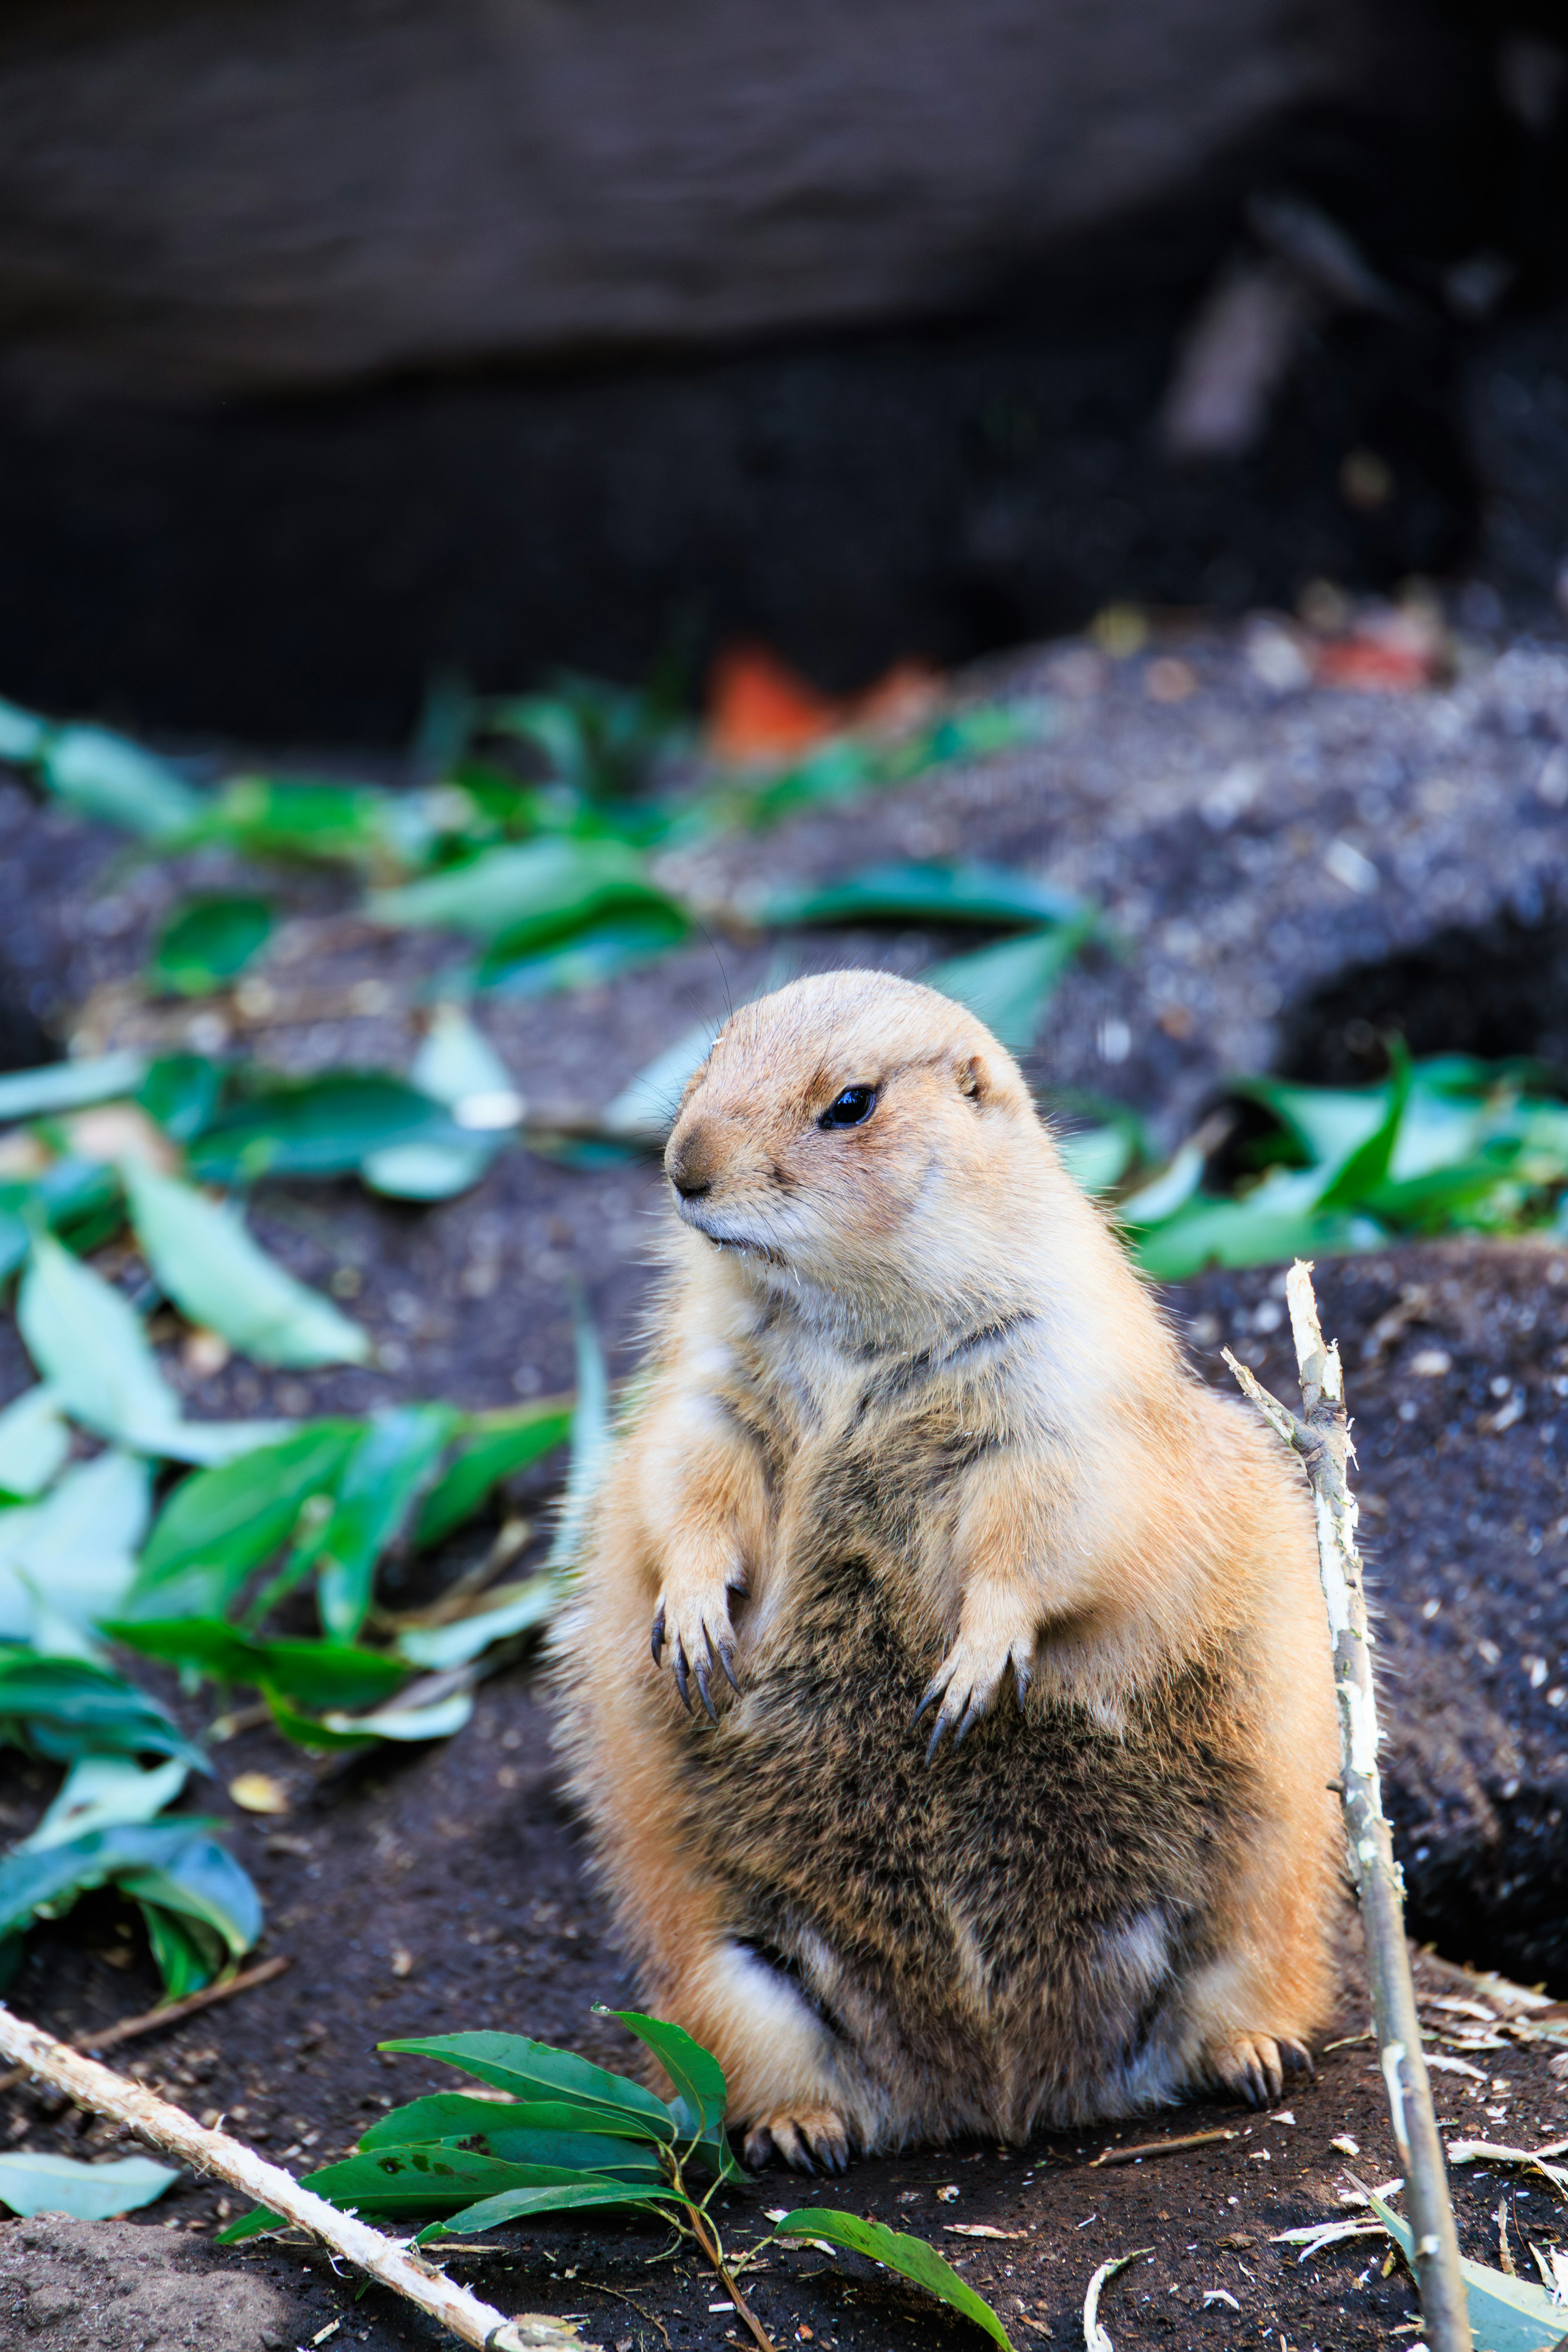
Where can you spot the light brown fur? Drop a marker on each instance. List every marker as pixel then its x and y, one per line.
pixel 914 1426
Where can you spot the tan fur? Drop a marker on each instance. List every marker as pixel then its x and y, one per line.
pixel 913 1427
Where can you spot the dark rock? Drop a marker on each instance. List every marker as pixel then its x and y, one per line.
pixel 1455 1359
pixel 251 196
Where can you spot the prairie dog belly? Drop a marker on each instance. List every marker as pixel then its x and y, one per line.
pixel 1010 1924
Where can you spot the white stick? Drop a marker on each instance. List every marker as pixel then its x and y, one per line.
pixel 105 2093
pixel 1322 1442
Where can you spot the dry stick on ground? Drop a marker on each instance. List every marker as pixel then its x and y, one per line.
pixel 107 2094
pixel 130 2028
pixel 1160 2146
pixel 1322 1439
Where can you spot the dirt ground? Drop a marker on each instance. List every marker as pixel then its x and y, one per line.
pixel 446 1888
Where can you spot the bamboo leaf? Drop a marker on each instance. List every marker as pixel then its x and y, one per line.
pixel 376 1490
pixel 89 2192
pixel 203 1258
pixel 1507 2314
pixel 910 2257
pixel 208 942
pixel 88 1344
pixel 534 2069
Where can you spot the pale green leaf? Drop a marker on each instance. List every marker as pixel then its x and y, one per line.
pixel 34 1440
pixel 68 1561
pixel 203 1258
pixel 69 1085
pixel 89 2192
pixel 1507 2314
pixel 99 1792
pixel 88 1342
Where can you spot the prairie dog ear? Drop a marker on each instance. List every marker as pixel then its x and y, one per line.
pixel 975 1080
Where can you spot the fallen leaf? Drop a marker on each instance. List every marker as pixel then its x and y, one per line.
pixel 980 2230
pixel 759 708
pixel 258 1792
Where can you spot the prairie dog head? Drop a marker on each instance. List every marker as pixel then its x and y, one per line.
pixel 862 1137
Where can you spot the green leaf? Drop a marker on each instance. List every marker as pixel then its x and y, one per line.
pixel 699 2081
pixel 352 824
pixel 1367 1167
pixel 206 941
pixel 70 1086
pixel 436 1718
pixel 99 775
pixel 1008 986
pixel 187 1956
pixel 34 1440
pixel 89 2192
pixel 88 1344
pixel 520 2132
pixel 100 1792
pixel 66 1560
pixel 179 1854
pixel 1507 2314
pixel 910 2257
pixel 316 1127
pixel 1096 1158
pixel 219 1526
pixel 620 939
pixel 592 1442
pixel 22 734
pixel 456 1066
pixel 72 1708
pixel 202 1257
pixel 536 893
pixel 1277 1220
pixel 202 1882
pixel 254 2224
pixel 516 1610
pixel 312 1674
pixel 377 1490
pixel 433 2176
pixel 490 1446
pixel 993 895
pixel 517 2204
pixel 180 1092
pixel 533 2070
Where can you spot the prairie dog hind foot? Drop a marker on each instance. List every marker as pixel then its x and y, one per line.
pixel 1254 2066
pixel 804 2137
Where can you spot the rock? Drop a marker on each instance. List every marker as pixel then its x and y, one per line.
pixel 1455 1359
pixel 245 195
pixel 123 2286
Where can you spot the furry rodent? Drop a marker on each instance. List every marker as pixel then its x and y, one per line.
pixel 915 1442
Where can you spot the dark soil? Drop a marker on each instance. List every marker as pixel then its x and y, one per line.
pixel 444 1889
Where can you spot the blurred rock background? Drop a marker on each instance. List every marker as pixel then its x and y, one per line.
pixel 342 343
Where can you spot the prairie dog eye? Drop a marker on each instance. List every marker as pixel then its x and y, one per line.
pixel 849 1109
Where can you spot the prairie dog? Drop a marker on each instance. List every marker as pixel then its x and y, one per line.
pixel 946 1679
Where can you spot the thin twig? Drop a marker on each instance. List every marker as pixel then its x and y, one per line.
pixel 130 2029
pixel 702 2230
pixel 651 2317
pixel 104 2093
pixel 1321 1440
pixel 1159 2147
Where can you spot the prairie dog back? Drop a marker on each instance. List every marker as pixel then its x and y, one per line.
pixel 945 1682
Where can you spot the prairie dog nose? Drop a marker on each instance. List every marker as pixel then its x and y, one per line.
pixel 689 1162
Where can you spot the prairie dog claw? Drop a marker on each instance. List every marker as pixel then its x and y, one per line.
pixel 967 1683
pixel 701 1643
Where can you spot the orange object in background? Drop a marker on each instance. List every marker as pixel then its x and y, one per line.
pixel 758 708
pixel 761 709
pixel 1396 651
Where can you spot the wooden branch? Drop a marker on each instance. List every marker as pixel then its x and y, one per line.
pixel 130 2028
pixel 1321 1440
pixel 169 2128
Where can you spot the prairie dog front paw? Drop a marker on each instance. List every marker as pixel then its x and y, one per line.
pixel 969 1679
pixel 692 1623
